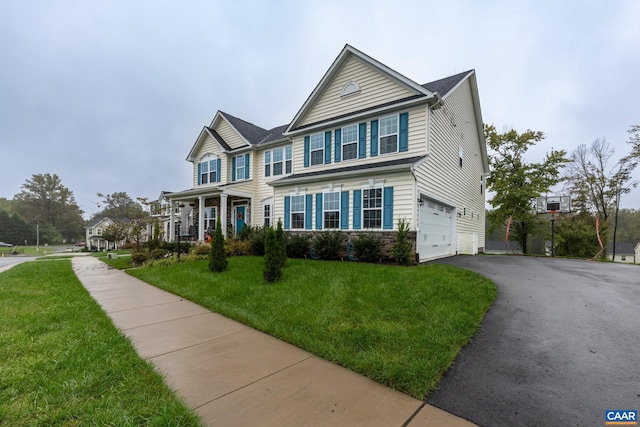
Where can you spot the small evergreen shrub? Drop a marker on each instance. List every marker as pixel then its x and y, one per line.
pixel 257 240
pixel 139 258
pixel 367 247
pixel 272 265
pixel 401 249
pixel 217 255
pixel 245 233
pixel 326 245
pixel 281 245
pixel 297 246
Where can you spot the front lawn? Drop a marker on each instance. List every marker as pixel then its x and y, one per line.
pixel 62 362
pixel 400 326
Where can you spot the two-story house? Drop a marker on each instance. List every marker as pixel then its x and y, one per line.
pixel 368 148
pixel 94 239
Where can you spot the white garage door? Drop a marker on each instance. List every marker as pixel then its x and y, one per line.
pixel 436 230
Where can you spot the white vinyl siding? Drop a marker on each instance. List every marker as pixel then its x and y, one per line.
pixel 375 89
pixel 229 135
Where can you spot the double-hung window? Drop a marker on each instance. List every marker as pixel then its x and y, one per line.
pixel 317 149
pixel 277 161
pixel 331 209
pixel 350 142
pixel 389 134
pixel 297 212
pixel 208 171
pixel 210 216
pixel 267 215
pixel 240 167
pixel 372 208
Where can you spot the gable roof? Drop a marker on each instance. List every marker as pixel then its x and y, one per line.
pixel 250 132
pixel 97 221
pixel 621 248
pixel 345 54
pixel 443 86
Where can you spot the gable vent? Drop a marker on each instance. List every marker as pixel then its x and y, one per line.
pixel 350 88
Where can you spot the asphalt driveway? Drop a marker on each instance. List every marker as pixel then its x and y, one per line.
pixel 560 345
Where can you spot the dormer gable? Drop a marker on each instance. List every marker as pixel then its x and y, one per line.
pixel 355 82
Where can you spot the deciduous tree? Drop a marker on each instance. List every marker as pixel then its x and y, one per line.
pixel 516 183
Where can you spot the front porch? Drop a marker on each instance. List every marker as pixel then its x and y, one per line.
pixel 197 214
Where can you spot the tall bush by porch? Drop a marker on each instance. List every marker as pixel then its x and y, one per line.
pixel 274 253
pixel 217 255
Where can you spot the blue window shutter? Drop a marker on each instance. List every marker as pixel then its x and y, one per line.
pixel 287 212
pixel 246 165
pixel 218 170
pixel 233 169
pixel 404 132
pixel 327 147
pixel 387 213
pixel 307 211
pixel 344 210
pixel 338 153
pixel 199 173
pixel 374 138
pixel 319 211
pixel 357 209
pixel 306 151
pixel 362 141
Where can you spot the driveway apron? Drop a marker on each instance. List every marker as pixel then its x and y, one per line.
pixel 558 347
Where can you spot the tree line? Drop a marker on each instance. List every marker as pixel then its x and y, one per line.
pixel 595 183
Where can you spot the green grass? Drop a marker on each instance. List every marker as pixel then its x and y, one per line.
pixel 62 362
pixel 402 327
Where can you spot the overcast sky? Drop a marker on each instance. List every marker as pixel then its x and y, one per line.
pixel 111 95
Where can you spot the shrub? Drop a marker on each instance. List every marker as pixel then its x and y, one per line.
pixel 402 247
pixel 257 240
pixel 201 250
pixel 326 245
pixel 245 233
pixel 281 245
pixel 217 255
pixel 238 248
pixel 367 247
pixel 185 247
pixel 297 246
pixel 139 258
pixel 157 253
pixel 272 271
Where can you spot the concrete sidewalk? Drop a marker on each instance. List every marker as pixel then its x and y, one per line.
pixel 233 375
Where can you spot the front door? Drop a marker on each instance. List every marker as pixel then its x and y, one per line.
pixel 240 216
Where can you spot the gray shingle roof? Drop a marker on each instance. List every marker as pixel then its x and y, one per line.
pixel 252 133
pixel 443 86
pixel 621 248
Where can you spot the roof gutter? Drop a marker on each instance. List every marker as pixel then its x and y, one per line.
pixel 314 178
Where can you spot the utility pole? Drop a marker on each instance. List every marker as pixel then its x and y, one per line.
pixel 38 233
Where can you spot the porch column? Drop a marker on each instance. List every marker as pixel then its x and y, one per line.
pixel 172 223
pixel 200 217
pixel 223 214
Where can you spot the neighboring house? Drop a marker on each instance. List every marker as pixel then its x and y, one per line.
pixel 94 239
pixel 161 212
pixel 498 247
pixel 625 252
pixel 368 148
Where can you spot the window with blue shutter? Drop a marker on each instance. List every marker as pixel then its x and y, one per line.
pixel 319 211
pixel 374 138
pixel 404 132
pixel 387 213
pixel 287 212
pixel 307 211
pixel 362 141
pixel 344 210
pixel 327 147
pixel 233 169
pixel 357 209
pixel 306 151
pixel 338 145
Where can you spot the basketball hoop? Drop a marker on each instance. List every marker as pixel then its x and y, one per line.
pixel 553 205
